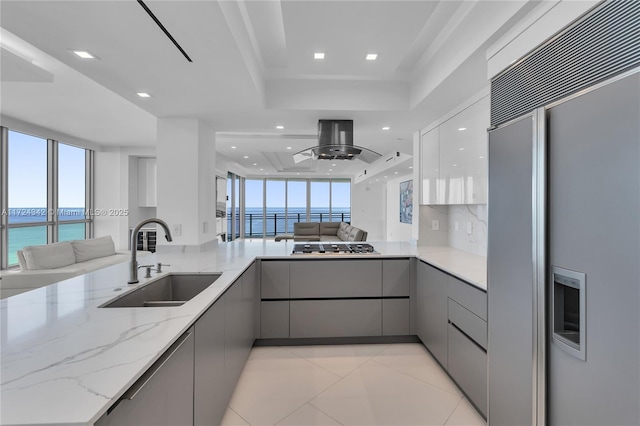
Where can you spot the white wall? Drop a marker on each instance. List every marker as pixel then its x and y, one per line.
pixel 369 210
pixel 453 229
pixel 112 191
pixel 395 230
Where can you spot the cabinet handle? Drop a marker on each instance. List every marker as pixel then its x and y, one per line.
pixel 142 382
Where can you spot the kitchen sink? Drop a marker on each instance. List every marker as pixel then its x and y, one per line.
pixel 174 289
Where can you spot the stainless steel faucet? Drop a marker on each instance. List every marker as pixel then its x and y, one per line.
pixel 133 267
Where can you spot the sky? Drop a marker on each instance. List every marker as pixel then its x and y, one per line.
pixel 28 173
pixel 297 193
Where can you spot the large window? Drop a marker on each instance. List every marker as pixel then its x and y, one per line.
pixel 272 206
pixel 44 193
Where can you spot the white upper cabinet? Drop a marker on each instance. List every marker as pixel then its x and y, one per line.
pixel 459 175
pixel 147 182
pixel 430 164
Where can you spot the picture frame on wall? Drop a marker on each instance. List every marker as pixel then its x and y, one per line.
pixel 406 201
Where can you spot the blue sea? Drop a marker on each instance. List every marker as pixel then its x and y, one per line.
pixel 275 219
pixel 36 235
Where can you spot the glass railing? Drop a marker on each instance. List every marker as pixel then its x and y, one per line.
pixel 274 223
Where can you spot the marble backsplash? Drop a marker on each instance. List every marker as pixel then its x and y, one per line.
pixel 454 223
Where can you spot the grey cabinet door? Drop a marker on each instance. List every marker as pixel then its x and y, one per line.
pixel 211 396
pixel 396 277
pixel 336 318
pixel 431 310
pixel 395 317
pixel 274 279
pixel 163 395
pixel 335 278
pixel 234 331
pixel 274 319
pixel 468 296
pixel 468 366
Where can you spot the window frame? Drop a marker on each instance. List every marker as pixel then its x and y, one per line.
pixel 52 221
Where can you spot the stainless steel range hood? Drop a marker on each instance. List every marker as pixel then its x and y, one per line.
pixel 335 142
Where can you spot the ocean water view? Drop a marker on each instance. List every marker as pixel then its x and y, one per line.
pixel 37 235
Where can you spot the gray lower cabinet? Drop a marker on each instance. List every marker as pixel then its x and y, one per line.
pixel 431 310
pixel 396 317
pixel 274 319
pixel 336 318
pixel 396 277
pixel 240 301
pixel 210 393
pixel 335 278
pixel 467 364
pixel 164 393
pixel 274 279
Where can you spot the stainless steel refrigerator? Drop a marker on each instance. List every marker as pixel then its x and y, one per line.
pixel 564 261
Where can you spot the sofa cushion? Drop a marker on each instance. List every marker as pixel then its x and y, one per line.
pixel 329 228
pixel 356 234
pixel 21 260
pixel 94 248
pixel 343 231
pixel 301 229
pixel 49 256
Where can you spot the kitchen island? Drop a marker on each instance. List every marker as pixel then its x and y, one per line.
pixel 66 361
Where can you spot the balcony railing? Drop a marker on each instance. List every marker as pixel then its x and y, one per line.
pixel 280 223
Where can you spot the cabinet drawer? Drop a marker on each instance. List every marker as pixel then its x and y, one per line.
pixel 336 318
pixel 468 296
pixel 467 364
pixel 395 277
pixel 471 324
pixel 274 279
pixel 274 319
pixel 395 317
pixel 335 278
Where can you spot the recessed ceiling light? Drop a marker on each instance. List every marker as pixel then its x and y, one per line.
pixel 385 177
pixel 455 165
pixel 462 128
pixel 318 55
pixel 280 127
pixel 288 147
pixel 84 54
pixel 371 56
pixel 460 149
pixel 411 167
pixel 261 169
pixel 395 173
pixel 233 147
pixel 267 173
pixel 333 165
pixel 246 156
pixel 482 156
pixel 143 95
pixel 255 164
pixel 330 170
pixel 386 128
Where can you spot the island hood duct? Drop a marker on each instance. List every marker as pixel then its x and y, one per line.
pixel 335 142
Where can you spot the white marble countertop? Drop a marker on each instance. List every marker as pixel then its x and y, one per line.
pixel 466 266
pixel 66 361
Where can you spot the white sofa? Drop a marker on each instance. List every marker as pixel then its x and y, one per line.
pixel 50 263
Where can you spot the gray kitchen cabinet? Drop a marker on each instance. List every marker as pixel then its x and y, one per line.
pixel 469 296
pixel 396 276
pixel 210 393
pixel 274 319
pixel 467 364
pixel 335 278
pixel 239 307
pixel 469 323
pixel 336 318
pixel 431 310
pixel 396 317
pixel 164 393
pixel 274 279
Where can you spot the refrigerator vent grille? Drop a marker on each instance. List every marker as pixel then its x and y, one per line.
pixel 602 44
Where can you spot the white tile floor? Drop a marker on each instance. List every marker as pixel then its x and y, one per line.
pixel 394 384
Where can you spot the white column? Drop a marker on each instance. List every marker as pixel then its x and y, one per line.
pixel 186 182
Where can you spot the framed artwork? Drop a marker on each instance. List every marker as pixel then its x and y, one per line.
pixel 406 201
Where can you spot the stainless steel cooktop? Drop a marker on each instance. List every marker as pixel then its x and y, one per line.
pixel 333 248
